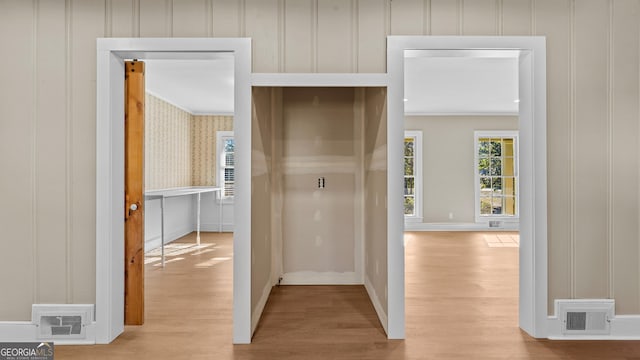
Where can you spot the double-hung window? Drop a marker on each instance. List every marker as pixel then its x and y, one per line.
pixel 496 175
pixel 413 175
pixel 226 164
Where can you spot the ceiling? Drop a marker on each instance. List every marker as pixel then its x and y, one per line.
pixel 201 87
pixel 450 82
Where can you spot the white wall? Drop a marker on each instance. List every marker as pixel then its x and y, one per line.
pixel 319 141
pixel 262 140
pixel 448 163
pixel 375 200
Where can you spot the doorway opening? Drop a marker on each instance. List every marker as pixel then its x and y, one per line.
pixel 110 167
pixel 187 104
pixel 532 134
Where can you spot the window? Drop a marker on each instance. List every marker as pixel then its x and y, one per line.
pixel 413 175
pixel 496 175
pixel 226 162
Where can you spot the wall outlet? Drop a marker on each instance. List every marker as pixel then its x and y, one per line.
pixel 450 216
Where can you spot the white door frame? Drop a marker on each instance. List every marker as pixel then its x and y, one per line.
pixel 533 167
pixel 111 54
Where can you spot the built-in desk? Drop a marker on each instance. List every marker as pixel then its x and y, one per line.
pixel 174 192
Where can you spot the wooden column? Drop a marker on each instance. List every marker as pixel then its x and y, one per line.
pixel 134 193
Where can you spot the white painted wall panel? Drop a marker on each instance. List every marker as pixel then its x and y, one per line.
pixel 445 17
pixel 262 24
pixel 121 14
pixel 87 24
pixel 17 146
pixel 552 19
pixel 515 18
pixel 190 18
pixel 407 17
pixel 372 30
pixel 591 148
pixel 51 154
pixel 299 36
pixel 335 36
pixel 479 17
pixel 227 18
pixel 624 156
pixel 156 18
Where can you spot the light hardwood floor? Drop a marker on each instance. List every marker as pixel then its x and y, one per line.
pixel 461 303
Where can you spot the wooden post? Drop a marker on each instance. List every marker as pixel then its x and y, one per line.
pixel 134 193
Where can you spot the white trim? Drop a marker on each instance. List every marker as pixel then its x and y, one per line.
pixel 492 113
pixel 110 171
pixel 257 312
pixel 506 226
pixel 321 278
pixel 319 80
pixel 18 331
pixel 623 327
pixel 382 315
pixel 27 331
pixel 395 188
pixel 215 227
pixel 533 167
pixel 476 175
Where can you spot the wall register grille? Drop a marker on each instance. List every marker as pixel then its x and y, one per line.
pixel 61 321
pixel 586 317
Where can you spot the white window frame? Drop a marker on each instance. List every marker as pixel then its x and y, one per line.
pixel 220 160
pixel 417 174
pixel 496 134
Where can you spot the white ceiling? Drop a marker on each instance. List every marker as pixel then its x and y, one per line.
pixel 201 87
pixel 450 82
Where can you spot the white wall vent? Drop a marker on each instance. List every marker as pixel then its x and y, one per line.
pixel 61 321
pixel 586 317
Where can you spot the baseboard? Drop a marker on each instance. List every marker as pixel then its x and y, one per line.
pixel 321 278
pixel 26 331
pixel 623 327
pixel 214 227
pixel 382 315
pixel 413 226
pixel 154 242
pixel 257 312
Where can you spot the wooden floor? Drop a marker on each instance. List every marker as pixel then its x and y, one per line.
pixel 461 303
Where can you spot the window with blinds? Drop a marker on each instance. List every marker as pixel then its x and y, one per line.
pixel 226 163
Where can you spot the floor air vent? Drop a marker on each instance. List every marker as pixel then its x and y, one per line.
pixel 61 321
pixel 586 317
pixel 495 224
